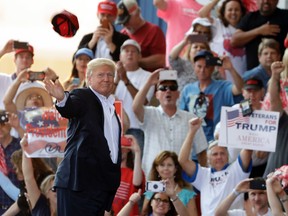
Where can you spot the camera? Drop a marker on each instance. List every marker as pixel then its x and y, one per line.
pixel 246 107
pixel 3 117
pixel 155 186
pixel 20 45
pixel 125 141
pixel 168 75
pixel 33 75
pixel 258 184
pixel 213 61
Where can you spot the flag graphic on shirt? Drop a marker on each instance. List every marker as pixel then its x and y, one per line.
pixel 235 116
pixel 46 132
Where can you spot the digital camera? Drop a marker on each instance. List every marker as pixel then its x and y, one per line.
pixel 3 117
pixel 155 186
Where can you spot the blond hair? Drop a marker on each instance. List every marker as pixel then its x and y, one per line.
pixel 284 73
pixel 98 62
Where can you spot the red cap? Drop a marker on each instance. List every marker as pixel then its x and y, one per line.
pixel 65 24
pixel 108 7
pixel 30 50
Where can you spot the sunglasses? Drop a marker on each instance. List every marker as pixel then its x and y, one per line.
pixel 165 88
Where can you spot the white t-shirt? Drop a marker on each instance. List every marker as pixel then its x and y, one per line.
pixel 241 212
pixel 138 79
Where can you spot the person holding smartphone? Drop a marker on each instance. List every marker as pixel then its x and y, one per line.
pixel 257 197
pixel 105 41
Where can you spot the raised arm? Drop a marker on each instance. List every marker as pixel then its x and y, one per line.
pixel 274 192
pixel 177 49
pixel 134 198
pixel 28 173
pixel 8 47
pixel 188 165
pixel 160 4
pixel 274 87
pixel 224 206
pixel 140 97
pixel 205 11
pixel 9 104
pixel 238 81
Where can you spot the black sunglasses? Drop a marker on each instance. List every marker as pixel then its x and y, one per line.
pixel 165 88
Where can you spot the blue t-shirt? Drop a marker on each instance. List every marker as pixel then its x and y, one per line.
pixel 184 195
pixel 207 104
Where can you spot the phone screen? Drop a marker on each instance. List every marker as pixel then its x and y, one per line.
pixel 197 38
pixel 32 75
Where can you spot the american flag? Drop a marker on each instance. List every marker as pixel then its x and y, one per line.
pixel 235 116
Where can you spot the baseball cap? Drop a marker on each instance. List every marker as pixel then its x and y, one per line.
pixel 212 143
pixel 30 50
pixel 65 24
pixel 200 21
pixel 125 9
pixel 203 54
pixel 84 51
pixel 107 7
pixel 253 83
pixel 132 43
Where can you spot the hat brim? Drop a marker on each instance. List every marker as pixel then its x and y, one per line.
pixel 122 19
pixel 22 96
pixel 247 87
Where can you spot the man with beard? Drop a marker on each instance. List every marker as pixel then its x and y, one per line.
pixel 267 21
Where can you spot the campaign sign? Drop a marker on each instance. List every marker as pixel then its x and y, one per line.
pixel 257 131
pixel 46 131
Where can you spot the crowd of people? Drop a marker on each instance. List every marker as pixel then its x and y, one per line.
pixel 161 153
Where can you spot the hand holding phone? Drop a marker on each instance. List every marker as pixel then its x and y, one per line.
pixel 197 38
pixel 3 117
pixel 76 81
pixel 258 184
pixel 125 141
pixel 105 23
pixel 155 186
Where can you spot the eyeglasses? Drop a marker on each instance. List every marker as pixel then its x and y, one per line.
pixel 159 200
pixel 165 88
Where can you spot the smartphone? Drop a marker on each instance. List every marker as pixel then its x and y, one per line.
pixel 246 107
pixel 125 141
pixel 33 75
pixel 76 81
pixel 105 23
pixel 3 117
pixel 213 61
pixel 155 186
pixel 20 45
pixel 168 75
pixel 258 184
pixel 197 38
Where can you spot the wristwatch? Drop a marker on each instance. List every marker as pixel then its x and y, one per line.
pixel 173 200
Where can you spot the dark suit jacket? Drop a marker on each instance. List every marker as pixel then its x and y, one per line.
pixel 117 38
pixel 87 164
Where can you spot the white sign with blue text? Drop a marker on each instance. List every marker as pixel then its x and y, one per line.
pixel 257 131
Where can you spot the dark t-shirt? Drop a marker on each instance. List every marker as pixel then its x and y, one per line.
pixel 42 207
pixel 253 20
pixel 280 156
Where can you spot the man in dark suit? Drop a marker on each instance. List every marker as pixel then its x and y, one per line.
pixel 89 175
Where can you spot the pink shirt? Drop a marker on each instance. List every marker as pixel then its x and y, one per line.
pixel 178 16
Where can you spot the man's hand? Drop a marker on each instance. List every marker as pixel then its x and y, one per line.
pixel 195 123
pixel 277 67
pixel 269 29
pixel 54 89
pixel 121 72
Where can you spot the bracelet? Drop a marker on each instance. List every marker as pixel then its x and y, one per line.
pixel 236 193
pixel 284 199
pixel 128 83
pixel 173 200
